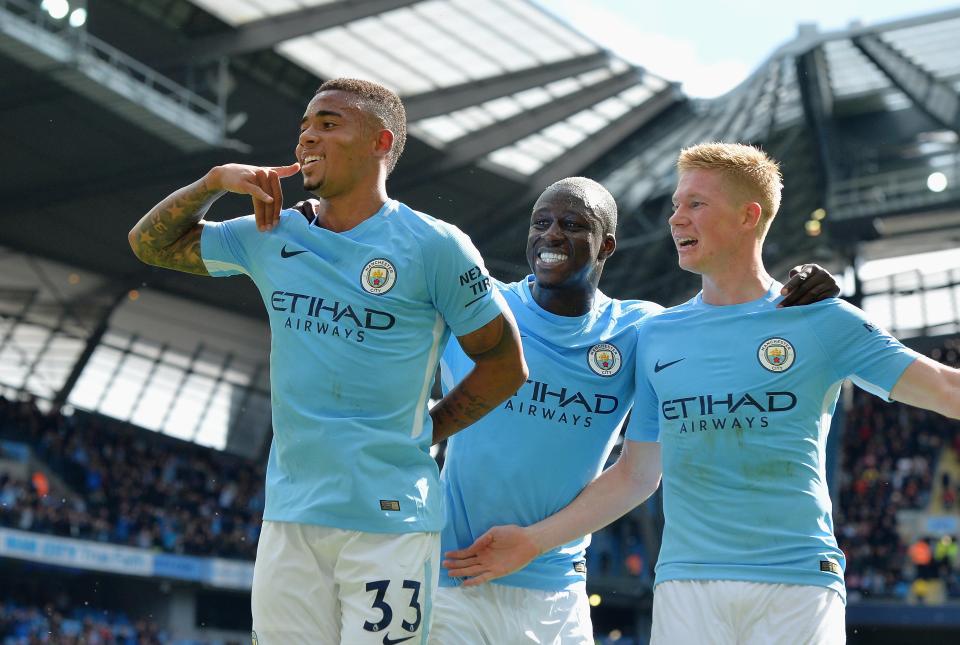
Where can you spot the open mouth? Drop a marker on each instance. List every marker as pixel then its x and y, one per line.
pixel 686 242
pixel 312 159
pixel 551 257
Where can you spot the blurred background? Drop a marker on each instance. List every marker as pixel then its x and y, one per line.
pixel 134 402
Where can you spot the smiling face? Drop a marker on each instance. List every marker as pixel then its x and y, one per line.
pixel 566 242
pixel 708 224
pixel 340 146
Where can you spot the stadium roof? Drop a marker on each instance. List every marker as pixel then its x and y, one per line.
pixel 503 98
pixel 860 119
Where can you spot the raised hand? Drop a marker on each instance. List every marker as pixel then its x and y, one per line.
pixel 496 553
pixel 809 283
pixel 262 183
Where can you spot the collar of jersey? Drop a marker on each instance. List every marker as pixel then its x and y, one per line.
pixel 566 322
pixel 771 297
pixel 389 206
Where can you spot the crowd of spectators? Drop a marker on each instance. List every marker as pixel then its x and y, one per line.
pixel 128 486
pixel 888 456
pixel 65 623
pixel 30 625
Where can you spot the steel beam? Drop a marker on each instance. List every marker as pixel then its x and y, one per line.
pixel 266 32
pixel 449 99
pixel 817 99
pixel 471 147
pixel 576 159
pixel 934 98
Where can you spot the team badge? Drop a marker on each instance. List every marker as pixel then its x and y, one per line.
pixel 776 354
pixel 604 359
pixel 378 277
pixel 253 636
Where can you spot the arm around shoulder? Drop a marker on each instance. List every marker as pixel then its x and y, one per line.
pixel 930 385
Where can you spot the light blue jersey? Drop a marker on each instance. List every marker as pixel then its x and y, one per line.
pixel 357 321
pixel 741 397
pixel 532 456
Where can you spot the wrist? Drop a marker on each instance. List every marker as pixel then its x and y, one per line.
pixel 537 538
pixel 212 182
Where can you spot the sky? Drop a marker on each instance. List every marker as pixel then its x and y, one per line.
pixel 711 46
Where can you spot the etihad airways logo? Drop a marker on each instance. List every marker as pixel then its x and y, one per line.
pixel 316 314
pixel 705 405
pixel 560 404
pixel 702 412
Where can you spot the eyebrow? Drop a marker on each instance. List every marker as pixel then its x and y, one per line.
pixel 320 113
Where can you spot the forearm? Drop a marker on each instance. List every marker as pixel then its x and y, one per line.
pixel 157 237
pixel 483 389
pixel 607 498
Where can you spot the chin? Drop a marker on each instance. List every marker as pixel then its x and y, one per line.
pixel 689 265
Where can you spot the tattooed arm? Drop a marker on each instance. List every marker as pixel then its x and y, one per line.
pixel 169 235
pixel 498 372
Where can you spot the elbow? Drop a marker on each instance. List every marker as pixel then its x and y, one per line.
pixel 134 245
pixel 521 371
pixel 950 396
pixel 644 485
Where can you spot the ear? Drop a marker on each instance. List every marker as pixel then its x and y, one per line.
pixel 607 247
pixel 751 214
pixel 384 143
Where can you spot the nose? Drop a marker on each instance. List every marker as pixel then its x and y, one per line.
pixel 676 218
pixel 553 231
pixel 307 137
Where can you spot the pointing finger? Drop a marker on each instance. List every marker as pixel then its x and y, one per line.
pixel 286 171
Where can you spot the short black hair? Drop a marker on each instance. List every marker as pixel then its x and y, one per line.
pixel 592 194
pixel 380 103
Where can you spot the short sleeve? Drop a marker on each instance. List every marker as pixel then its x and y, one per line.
pixel 644 422
pixel 225 246
pixel 861 350
pixel 462 289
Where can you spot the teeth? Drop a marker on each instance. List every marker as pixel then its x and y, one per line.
pixel 552 257
pixel 310 158
pixel 685 241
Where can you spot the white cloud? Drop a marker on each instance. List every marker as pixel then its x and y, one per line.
pixel 675 59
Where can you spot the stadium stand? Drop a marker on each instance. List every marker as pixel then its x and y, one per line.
pixel 896 459
pixel 128 486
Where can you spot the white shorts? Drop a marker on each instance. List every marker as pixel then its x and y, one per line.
pixel 313 584
pixel 494 614
pixel 739 612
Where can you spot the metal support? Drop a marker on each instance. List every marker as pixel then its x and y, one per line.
pixel 599 143
pixel 934 98
pixel 468 148
pixel 817 101
pixel 267 32
pixel 449 99
pixel 93 341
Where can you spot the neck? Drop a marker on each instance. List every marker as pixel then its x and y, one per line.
pixel 343 212
pixel 565 301
pixel 737 281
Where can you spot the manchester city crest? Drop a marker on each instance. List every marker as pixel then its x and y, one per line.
pixel 378 276
pixel 604 359
pixel 776 354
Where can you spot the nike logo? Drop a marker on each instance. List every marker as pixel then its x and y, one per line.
pixel 393 641
pixel 658 367
pixel 284 253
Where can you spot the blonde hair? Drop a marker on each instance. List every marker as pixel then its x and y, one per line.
pixel 753 173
